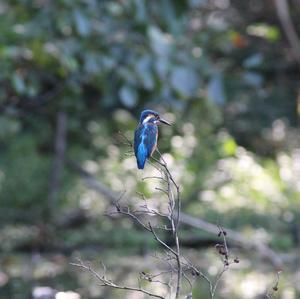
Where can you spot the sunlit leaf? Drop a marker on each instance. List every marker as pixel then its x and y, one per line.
pixel 264 30
pixel 229 146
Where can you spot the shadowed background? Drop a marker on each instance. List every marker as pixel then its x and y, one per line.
pixel 75 73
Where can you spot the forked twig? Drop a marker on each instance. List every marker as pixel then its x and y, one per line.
pixel 178 267
pixel 105 282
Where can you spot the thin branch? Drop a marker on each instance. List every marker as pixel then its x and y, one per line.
pixel 126 139
pixel 131 215
pixel 224 253
pixel 174 222
pixel 58 161
pixel 108 283
pixel 153 177
pixel 161 241
pixel 259 248
pixel 270 293
pixel 166 178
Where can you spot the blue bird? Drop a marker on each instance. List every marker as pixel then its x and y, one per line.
pixel 145 136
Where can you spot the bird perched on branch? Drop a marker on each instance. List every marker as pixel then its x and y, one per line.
pixel 145 136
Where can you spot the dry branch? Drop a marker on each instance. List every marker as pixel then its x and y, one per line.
pixel 260 248
pixel 270 293
pixel 59 157
pixel 105 282
pixel 172 255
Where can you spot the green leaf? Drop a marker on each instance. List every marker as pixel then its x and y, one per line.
pixel 184 80
pixel 253 79
pixel 82 23
pixel 254 60
pixel 8 127
pixel 264 30
pixel 215 89
pixel 197 3
pixel 160 43
pixel 141 12
pixel 143 69
pixel 18 83
pixel 229 146
pixel 128 96
pixel 162 67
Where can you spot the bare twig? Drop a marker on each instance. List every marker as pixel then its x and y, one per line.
pixel 215 285
pixel 126 139
pixel 171 190
pixel 177 264
pixel 270 293
pixel 128 213
pixel 258 247
pixel 105 282
pixel 58 162
pixel 174 222
pixel 224 253
pixel 161 241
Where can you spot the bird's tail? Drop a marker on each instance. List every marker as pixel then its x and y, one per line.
pixel 141 156
pixel 141 163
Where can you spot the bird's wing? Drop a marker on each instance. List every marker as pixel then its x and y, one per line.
pixel 137 138
pixel 150 139
pixel 145 139
pixel 146 134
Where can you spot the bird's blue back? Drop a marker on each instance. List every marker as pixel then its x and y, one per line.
pixel 145 140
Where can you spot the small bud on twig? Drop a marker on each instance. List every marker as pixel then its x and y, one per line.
pixel 221 249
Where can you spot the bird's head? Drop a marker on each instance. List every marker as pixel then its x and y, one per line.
pixel 150 116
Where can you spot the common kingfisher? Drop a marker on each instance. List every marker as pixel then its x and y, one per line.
pixel 145 136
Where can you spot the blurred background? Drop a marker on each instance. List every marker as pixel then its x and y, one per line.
pixel 75 73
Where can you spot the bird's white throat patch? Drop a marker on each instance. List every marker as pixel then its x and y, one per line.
pixel 148 118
